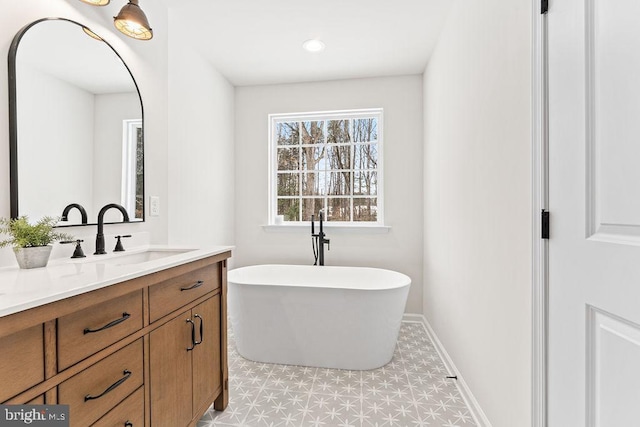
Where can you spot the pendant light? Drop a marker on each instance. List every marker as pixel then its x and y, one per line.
pixel 96 2
pixel 132 22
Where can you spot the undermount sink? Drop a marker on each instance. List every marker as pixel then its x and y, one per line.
pixel 139 257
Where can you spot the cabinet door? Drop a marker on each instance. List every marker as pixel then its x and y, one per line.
pixel 21 361
pixel 170 372
pixel 206 356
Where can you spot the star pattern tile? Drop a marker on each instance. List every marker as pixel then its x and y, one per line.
pixel 411 390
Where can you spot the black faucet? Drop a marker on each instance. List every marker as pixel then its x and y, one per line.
pixel 318 241
pixel 100 236
pixel 65 212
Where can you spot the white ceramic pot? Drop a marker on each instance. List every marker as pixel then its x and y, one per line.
pixel 34 257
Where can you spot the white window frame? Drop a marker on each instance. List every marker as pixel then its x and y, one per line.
pixel 274 119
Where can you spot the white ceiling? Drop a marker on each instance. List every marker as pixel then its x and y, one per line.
pixel 256 42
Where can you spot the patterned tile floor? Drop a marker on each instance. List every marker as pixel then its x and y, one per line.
pixel 409 391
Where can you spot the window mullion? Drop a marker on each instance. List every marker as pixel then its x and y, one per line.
pixel 351 165
pixel 325 204
pixel 300 171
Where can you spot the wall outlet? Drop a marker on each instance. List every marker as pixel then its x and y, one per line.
pixel 154 206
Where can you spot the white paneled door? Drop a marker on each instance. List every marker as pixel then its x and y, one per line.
pixel 594 199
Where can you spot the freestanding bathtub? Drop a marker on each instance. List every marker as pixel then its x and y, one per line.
pixel 329 317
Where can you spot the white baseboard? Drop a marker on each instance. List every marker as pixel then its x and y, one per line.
pixel 477 413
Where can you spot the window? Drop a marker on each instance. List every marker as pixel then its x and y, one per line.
pixel 132 167
pixel 330 161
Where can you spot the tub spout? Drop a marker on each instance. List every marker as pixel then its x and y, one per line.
pixel 318 241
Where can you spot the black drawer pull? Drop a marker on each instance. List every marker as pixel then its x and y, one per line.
pixel 201 329
pixel 195 285
pixel 113 386
pixel 128 424
pixel 124 317
pixel 193 335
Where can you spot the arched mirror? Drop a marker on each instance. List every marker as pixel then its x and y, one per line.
pixel 76 124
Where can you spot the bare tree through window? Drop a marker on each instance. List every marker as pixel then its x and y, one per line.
pixel 327 162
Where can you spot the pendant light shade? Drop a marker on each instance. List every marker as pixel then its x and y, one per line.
pixel 96 2
pixel 132 22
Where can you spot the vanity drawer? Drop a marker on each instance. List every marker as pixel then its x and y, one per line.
pixel 111 321
pixel 174 293
pixel 99 388
pixel 21 361
pixel 130 410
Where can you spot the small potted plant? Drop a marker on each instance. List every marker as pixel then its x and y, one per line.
pixel 31 243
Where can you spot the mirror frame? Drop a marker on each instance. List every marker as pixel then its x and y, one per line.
pixel 13 119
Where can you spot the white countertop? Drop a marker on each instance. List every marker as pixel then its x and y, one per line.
pixel 63 278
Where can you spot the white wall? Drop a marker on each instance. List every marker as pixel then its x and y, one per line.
pixel 148 63
pixel 110 112
pixel 401 248
pixel 85 173
pixel 201 149
pixel 477 231
pixel 55 117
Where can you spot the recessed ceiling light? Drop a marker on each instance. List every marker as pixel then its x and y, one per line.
pixel 313 45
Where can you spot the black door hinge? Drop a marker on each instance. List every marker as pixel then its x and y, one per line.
pixel 544 6
pixel 545 224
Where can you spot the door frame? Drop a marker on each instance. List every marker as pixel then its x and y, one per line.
pixel 539 201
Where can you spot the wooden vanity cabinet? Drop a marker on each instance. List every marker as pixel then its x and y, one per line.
pixel 125 354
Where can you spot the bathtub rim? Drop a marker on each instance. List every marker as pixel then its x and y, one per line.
pixel 402 280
